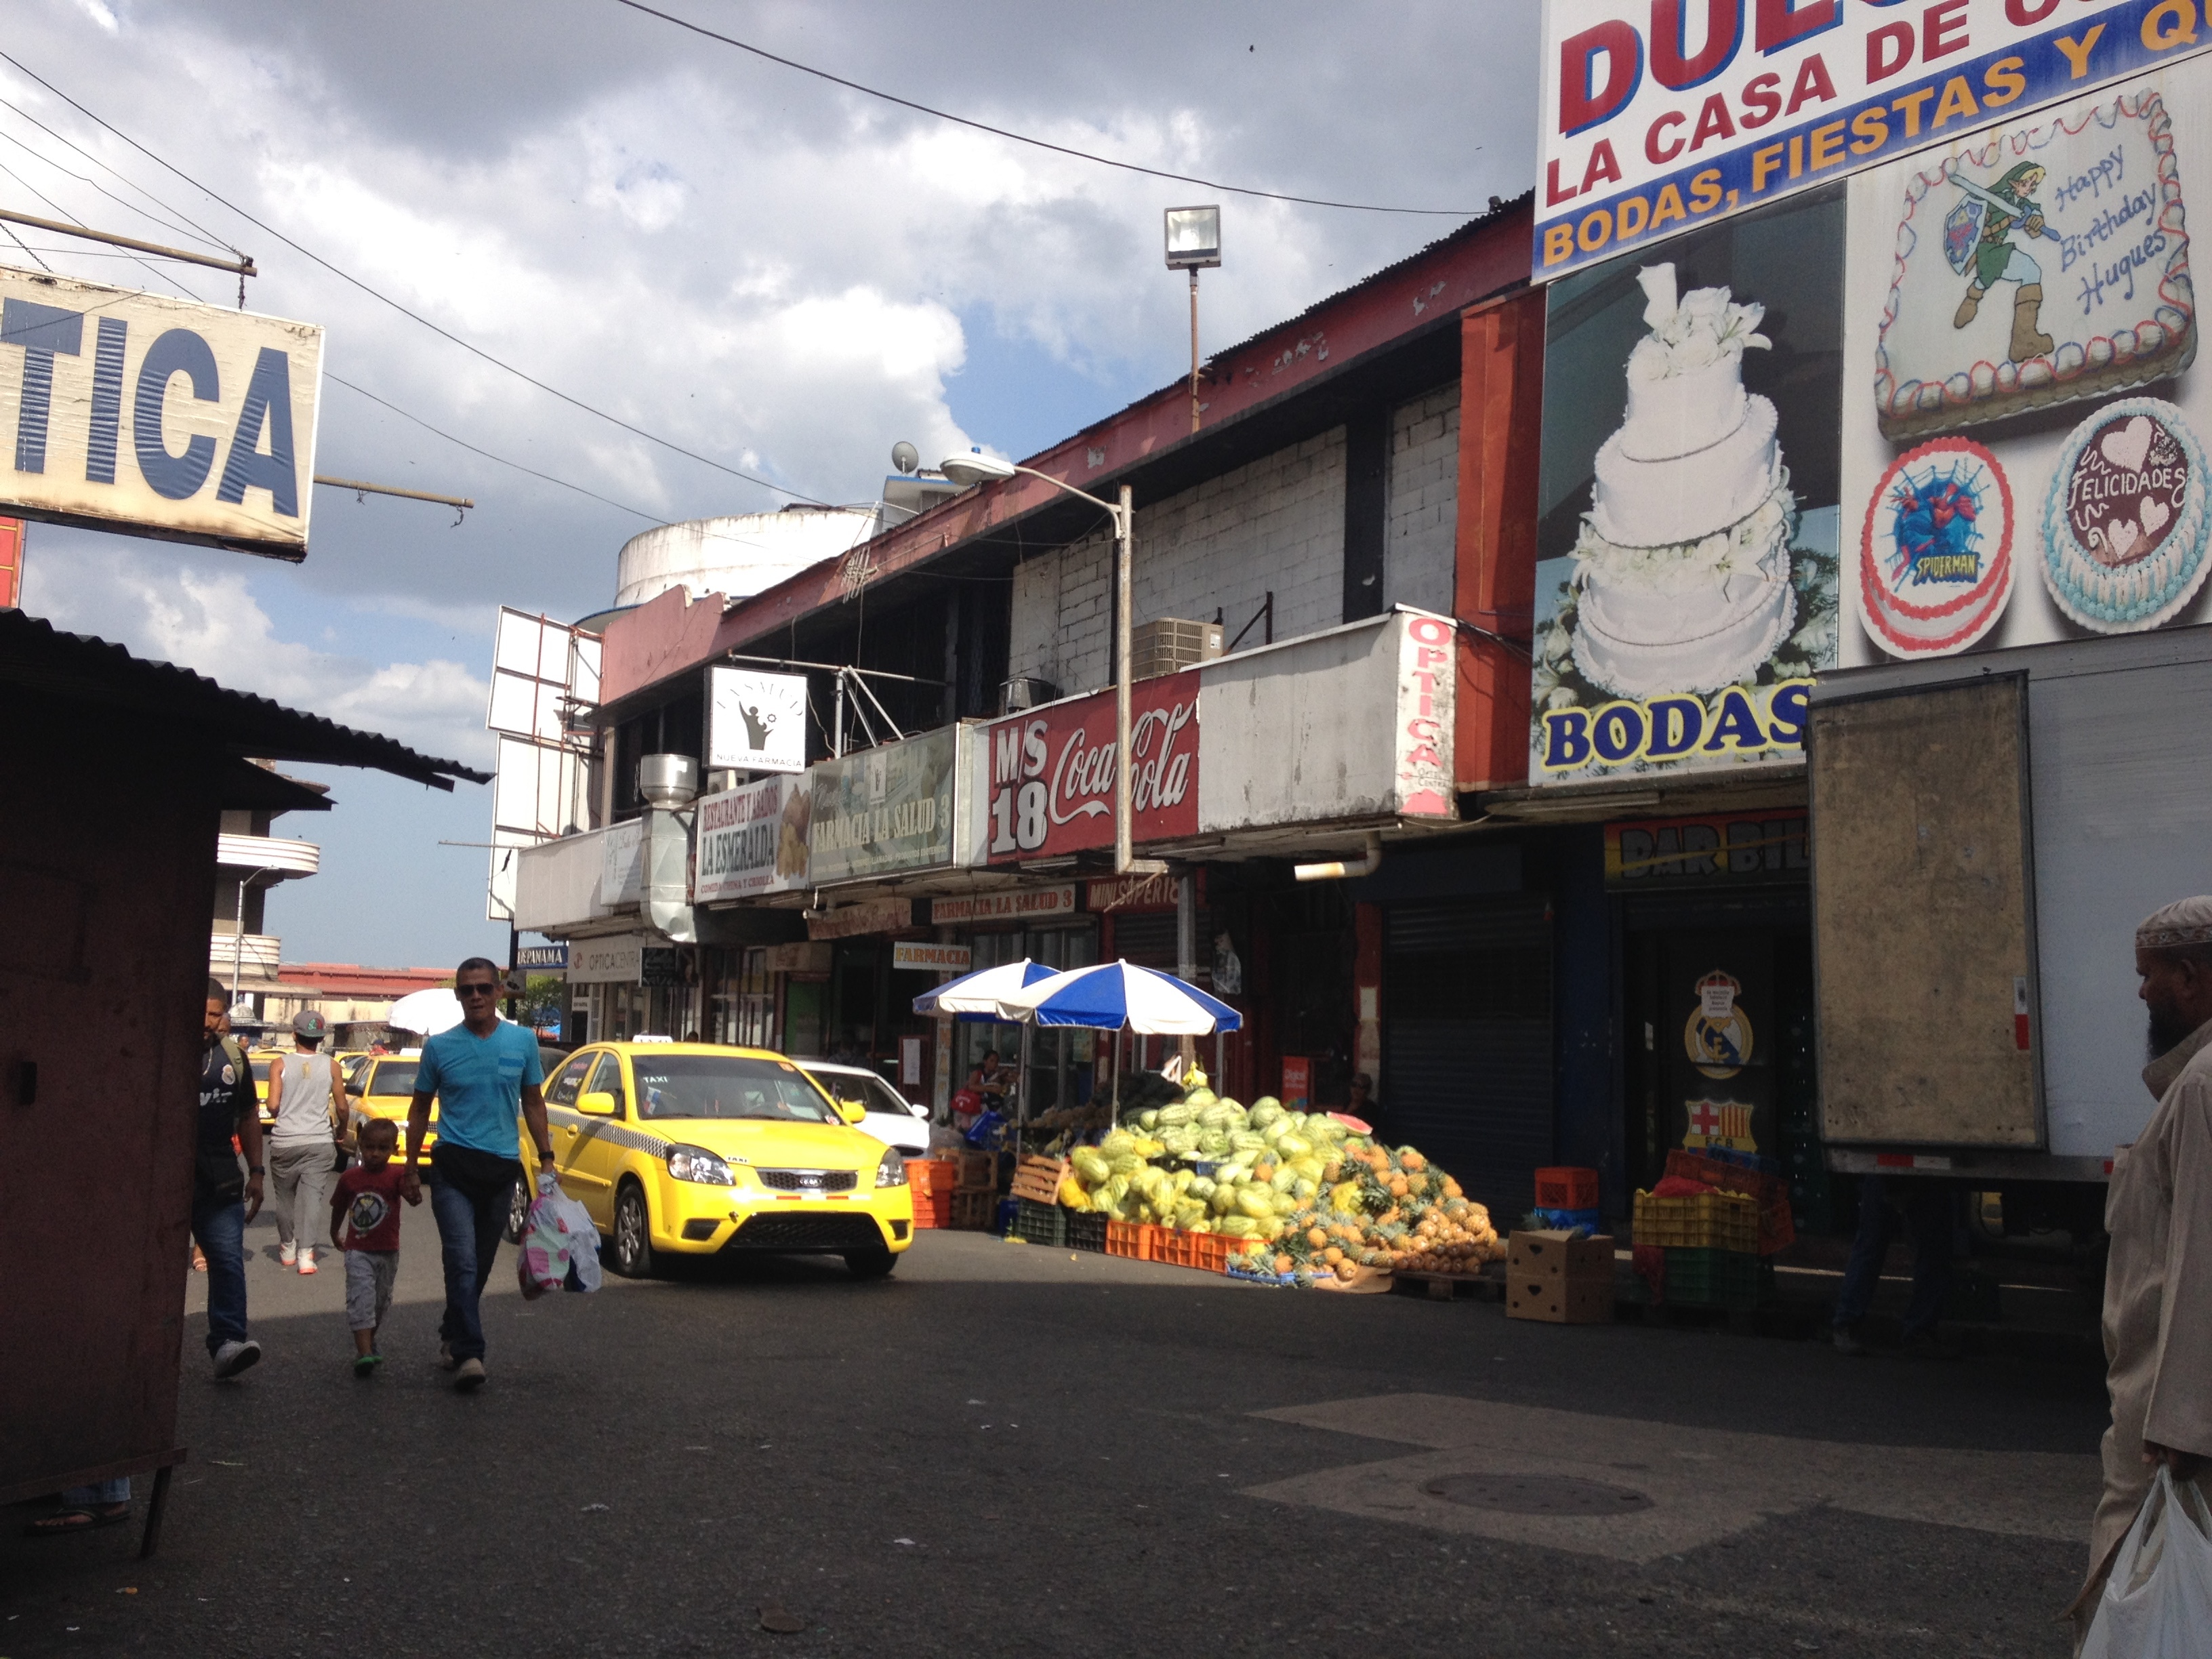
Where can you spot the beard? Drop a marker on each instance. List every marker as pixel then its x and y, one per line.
pixel 2169 1028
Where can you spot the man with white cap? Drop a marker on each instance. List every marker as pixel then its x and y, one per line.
pixel 2158 1209
pixel 309 1098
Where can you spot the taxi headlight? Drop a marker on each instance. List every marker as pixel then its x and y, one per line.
pixel 891 1172
pixel 697 1163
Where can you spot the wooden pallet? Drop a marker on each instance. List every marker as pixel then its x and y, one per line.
pixel 1037 1179
pixel 1446 1287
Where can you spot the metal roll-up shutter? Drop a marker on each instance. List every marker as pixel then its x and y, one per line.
pixel 1147 939
pixel 1466 1041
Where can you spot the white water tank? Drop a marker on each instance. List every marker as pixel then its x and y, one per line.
pixel 736 556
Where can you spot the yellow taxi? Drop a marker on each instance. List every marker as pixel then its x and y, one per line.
pixel 690 1149
pixel 261 1060
pixel 384 1086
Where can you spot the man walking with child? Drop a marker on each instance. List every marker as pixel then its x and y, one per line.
pixel 367 1205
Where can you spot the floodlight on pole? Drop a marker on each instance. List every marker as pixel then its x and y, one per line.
pixel 1194 243
pixel 975 468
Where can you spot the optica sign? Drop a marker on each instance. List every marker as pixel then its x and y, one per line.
pixel 150 417
pixel 1050 782
pixel 1657 115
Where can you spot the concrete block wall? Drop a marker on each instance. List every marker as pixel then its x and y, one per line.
pixel 1423 518
pixel 1275 524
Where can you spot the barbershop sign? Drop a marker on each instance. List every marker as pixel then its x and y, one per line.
pixel 1659 115
pixel 150 417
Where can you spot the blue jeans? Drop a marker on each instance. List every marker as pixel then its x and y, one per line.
pixel 1928 1217
pixel 219 1225
pixel 471 1223
pixel 100 1493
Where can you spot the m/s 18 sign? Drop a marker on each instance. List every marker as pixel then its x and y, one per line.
pixel 151 417
pixel 1051 783
pixel 1657 115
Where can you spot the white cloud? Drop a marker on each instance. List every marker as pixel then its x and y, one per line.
pixel 168 611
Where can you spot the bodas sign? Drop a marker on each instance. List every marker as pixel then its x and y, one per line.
pixel 1051 782
pixel 152 416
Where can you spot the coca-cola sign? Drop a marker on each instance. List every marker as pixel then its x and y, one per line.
pixel 1050 782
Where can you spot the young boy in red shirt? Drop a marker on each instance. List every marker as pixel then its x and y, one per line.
pixel 366 1201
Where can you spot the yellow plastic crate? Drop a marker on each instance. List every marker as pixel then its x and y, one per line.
pixel 1702 1221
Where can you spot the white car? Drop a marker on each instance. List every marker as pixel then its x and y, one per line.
pixel 891 1117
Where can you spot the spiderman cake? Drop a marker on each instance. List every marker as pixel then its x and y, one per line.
pixel 1936 551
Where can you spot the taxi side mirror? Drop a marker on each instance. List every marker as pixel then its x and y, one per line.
pixel 596 1104
pixel 852 1111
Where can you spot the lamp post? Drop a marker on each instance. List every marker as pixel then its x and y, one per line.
pixel 975 467
pixel 238 928
pixel 1193 244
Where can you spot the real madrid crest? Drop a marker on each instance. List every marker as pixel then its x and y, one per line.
pixel 1718 1037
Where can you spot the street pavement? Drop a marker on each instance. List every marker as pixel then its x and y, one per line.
pixel 1010 1449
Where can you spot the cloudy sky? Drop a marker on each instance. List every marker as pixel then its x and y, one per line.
pixel 777 273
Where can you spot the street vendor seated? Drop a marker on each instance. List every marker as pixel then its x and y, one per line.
pixel 991 1079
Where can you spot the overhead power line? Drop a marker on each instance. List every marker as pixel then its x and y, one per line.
pixel 1024 138
pixel 468 346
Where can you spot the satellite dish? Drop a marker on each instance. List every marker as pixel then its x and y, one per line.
pixel 905 456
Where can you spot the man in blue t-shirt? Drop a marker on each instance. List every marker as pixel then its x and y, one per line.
pixel 484 1071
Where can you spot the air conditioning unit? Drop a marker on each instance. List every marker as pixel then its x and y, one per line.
pixel 1168 644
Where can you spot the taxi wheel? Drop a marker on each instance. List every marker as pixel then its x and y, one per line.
pixel 632 1234
pixel 870 1264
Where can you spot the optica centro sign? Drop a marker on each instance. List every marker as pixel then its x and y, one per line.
pixel 151 417
pixel 1657 115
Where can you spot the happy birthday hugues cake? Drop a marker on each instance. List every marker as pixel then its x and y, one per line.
pixel 2037 265
pixel 1683 563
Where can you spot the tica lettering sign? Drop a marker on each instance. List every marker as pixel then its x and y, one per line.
pixel 1051 779
pixel 153 416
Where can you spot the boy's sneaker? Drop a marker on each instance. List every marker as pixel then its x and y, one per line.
pixel 469 1375
pixel 1848 1340
pixel 306 1259
pixel 287 1255
pixel 365 1365
pixel 232 1358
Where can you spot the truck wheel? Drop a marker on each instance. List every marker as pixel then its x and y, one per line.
pixel 870 1264
pixel 632 1234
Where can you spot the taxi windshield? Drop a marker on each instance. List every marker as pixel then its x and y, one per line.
pixel 726 1086
pixel 394 1077
pixel 261 1070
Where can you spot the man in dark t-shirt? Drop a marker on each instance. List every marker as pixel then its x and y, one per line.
pixel 224 1196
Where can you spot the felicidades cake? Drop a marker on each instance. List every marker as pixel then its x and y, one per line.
pixel 2037 265
pixel 2124 524
pixel 1682 566
pixel 1936 553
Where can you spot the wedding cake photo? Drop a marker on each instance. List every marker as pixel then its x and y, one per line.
pixel 1696 579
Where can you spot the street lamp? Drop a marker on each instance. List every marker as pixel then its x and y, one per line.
pixel 975 467
pixel 1193 242
pixel 238 928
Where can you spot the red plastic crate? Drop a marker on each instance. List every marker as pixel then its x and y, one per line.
pixel 1566 1189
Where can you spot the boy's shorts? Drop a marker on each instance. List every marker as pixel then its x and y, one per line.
pixel 369 1274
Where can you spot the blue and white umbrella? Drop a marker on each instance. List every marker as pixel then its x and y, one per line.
pixel 976 996
pixel 1119 996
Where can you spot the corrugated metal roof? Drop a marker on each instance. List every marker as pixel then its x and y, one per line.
pixel 37 656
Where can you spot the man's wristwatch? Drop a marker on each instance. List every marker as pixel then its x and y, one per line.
pixel 255 1169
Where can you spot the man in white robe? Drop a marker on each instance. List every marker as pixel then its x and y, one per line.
pixel 2158 1209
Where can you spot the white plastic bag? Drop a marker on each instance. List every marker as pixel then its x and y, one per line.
pixel 2157 1603
pixel 560 1248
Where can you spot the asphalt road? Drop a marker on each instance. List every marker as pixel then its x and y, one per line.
pixel 1006 1450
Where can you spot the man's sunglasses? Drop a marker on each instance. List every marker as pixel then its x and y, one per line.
pixel 480 990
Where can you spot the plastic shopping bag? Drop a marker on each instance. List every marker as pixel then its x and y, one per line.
pixel 2157 1604
pixel 560 1246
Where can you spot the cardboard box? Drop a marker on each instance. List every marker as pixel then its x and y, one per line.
pixel 1559 1255
pixel 1556 1300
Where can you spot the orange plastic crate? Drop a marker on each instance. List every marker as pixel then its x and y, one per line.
pixel 1207 1252
pixel 1121 1239
pixel 1567 1189
pixel 1150 1245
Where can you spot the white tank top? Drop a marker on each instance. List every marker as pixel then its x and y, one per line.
pixel 303 1110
